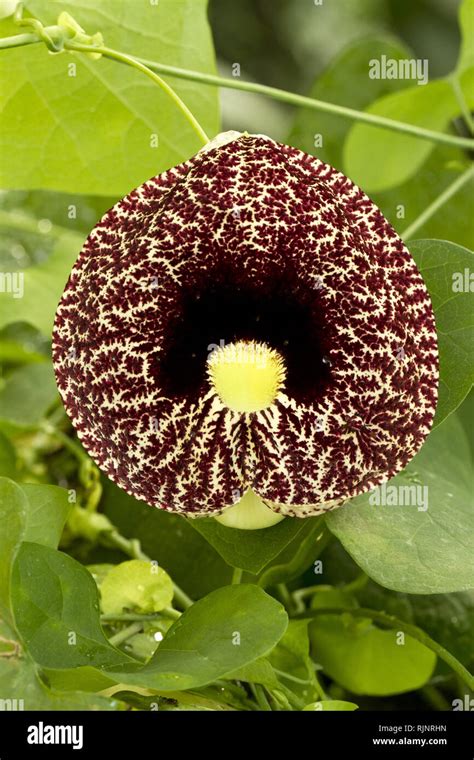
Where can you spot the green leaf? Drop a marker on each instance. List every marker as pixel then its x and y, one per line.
pixel 227 630
pixel 13 509
pixel 252 550
pixel 444 266
pixel 92 132
pixel 331 705
pixel 367 660
pixel 136 585
pixel 46 513
pixel 405 548
pixel 169 538
pixel 363 658
pixel 28 393
pixel 7 458
pixel 44 282
pixel 378 159
pixel 56 609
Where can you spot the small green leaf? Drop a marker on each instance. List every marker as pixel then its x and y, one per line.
pixel 136 585
pixel 227 630
pixel 252 550
pixel 365 659
pixel 56 609
pixel 28 393
pixel 446 270
pixel 377 159
pixel 74 124
pixel 405 548
pixel 331 705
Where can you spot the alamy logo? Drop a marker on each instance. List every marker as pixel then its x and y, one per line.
pixel 12 282
pixel 400 496
pixel 12 705
pixel 403 68
pixel 45 734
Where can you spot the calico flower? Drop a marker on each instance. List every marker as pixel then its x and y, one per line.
pixel 247 329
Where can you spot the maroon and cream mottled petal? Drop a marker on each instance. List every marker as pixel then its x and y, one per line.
pixel 255 217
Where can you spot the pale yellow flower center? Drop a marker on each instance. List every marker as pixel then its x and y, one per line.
pixel 246 375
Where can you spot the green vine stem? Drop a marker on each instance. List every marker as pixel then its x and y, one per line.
pixel 311 103
pixel 259 694
pixel 151 68
pixel 390 621
pixel 237 575
pixel 125 633
pixel 442 198
pixel 18 40
pixel 124 617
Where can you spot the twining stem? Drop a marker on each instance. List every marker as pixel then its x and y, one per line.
pixel 285 596
pixel 448 193
pixel 259 694
pixel 19 40
pixel 435 698
pixel 289 677
pixel 124 617
pixel 304 593
pixel 152 67
pixel 237 575
pixel 130 60
pixel 125 634
pixel 390 621
pixel 311 103
pixel 67 442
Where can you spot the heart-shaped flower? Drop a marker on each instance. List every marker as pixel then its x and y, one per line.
pixel 247 329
